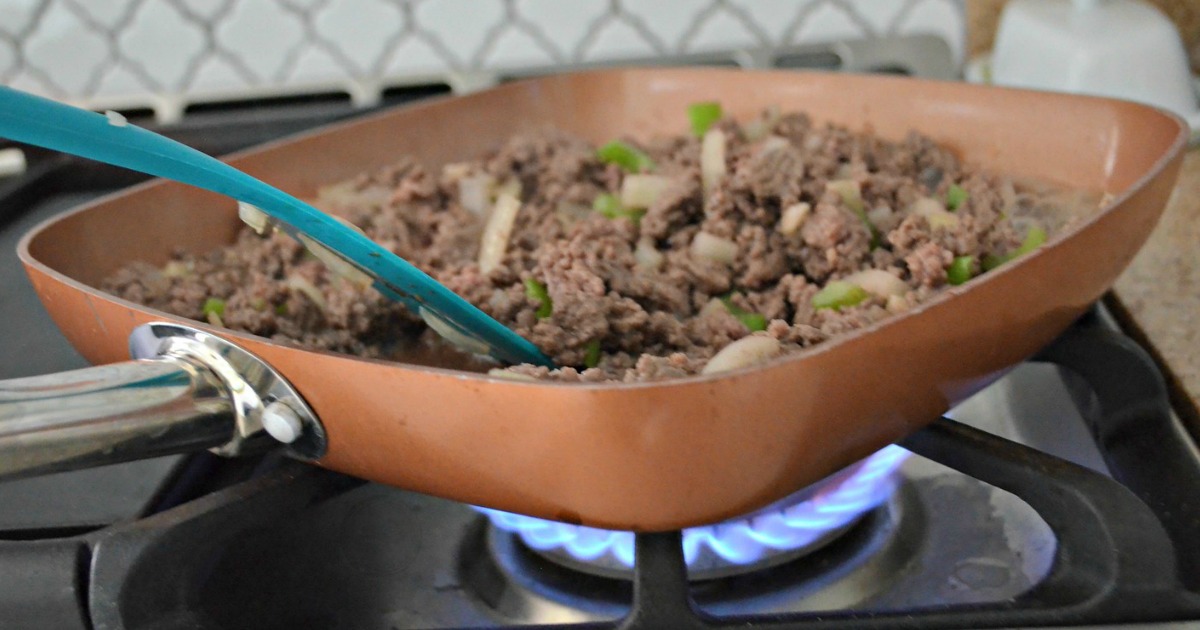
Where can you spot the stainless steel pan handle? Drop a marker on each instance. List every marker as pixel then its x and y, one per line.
pixel 185 390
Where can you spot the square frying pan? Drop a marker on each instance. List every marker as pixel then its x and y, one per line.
pixel 663 455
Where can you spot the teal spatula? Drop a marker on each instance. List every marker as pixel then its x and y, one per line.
pixel 46 123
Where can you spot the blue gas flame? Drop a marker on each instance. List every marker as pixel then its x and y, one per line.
pixel 738 541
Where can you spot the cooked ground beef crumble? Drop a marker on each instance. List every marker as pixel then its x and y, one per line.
pixel 800 233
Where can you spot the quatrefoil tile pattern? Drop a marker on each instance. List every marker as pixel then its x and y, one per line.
pixel 163 54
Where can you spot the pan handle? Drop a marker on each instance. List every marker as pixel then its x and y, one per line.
pixel 186 390
pixel 109 414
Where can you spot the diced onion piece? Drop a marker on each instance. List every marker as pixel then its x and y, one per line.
pixel 759 127
pixel 896 304
pixel 116 119
pixel 703 115
pixel 793 218
pixel 473 193
pixel 712 158
pixel 509 375
pixel 258 220
pixel 715 305
pixel 850 191
pixel 497 232
pixel 456 170
pixel 12 162
pixel 451 334
pixel 301 284
pixel 878 282
pixel 714 248
pixel 639 191
pixel 647 255
pixel 510 187
pixel 214 318
pixel 934 212
pixel 839 294
pixel 177 269
pixel 942 220
pixel 346 222
pixel 774 143
pixel 961 269
pixel 336 263
pixel 742 353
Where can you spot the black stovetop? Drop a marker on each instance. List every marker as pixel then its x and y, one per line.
pixel 201 542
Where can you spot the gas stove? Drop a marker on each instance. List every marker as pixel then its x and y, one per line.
pixel 1064 496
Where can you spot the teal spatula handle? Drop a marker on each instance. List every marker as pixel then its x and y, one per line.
pixel 46 123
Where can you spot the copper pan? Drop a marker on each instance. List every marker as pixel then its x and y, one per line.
pixel 663 455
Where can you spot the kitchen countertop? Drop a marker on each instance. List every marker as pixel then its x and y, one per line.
pixel 1158 296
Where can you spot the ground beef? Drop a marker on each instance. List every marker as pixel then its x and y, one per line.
pixel 631 299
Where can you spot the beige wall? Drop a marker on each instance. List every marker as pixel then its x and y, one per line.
pixel 983 15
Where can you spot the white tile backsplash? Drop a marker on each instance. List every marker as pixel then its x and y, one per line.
pixel 362 30
pixel 164 44
pixel 668 21
pixel 261 37
pixel 8 54
pixel 63 52
pixel 206 9
pixel 774 16
pixel 216 73
pixel 108 14
pixel 616 38
pixel 165 53
pixel 564 24
pixel 18 16
pixel 416 56
pixel 515 47
pixel 721 29
pixel 829 22
pixel 461 25
pixel 316 64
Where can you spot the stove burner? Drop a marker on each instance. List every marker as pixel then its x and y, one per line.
pixel 777 534
pixel 516 584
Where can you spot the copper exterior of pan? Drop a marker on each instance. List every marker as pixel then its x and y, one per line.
pixel 666 455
